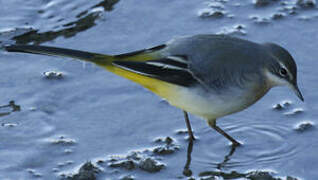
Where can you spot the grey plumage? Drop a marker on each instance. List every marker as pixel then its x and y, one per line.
pixel 219 60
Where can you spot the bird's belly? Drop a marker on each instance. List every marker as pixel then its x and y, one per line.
pixel 211 105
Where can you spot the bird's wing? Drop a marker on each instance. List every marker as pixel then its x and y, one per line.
pixel 217 61
pixel 171 69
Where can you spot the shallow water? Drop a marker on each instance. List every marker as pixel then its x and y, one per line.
pixel 89 114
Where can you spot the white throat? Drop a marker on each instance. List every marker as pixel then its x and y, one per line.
pixel 273 80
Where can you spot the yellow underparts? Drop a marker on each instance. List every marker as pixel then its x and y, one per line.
pixel 161 88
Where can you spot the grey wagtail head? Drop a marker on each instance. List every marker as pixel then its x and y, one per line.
pixel 210 76
pixel 284 72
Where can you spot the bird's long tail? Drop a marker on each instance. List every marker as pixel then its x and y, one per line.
pixel 160 88
pixel 99 59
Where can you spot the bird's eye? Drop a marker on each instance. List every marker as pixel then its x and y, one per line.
pixel 283 72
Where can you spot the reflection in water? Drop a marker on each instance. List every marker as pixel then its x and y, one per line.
pixel 220 170
pixel 226 175
pixel 253 175
pixel 231 175
pixel 85 21
pixel 11 105
pixel 187 171
pixel 226 158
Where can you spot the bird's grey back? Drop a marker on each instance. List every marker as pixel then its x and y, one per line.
pixel 219 60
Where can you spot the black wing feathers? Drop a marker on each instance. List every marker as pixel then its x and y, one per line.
pixel 173 69
pixel 156 48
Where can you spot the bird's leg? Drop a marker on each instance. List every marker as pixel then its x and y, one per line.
pixel 187 171
pixel 186 118
pixel 212 123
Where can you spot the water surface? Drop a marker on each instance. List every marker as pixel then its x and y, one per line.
pixel 91 115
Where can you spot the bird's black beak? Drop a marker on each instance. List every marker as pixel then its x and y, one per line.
pixel 297 92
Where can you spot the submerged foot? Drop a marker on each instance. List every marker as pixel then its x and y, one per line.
pixel 192 138
pixel 236 144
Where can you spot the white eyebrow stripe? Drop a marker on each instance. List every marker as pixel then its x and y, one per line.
pixel 132 70
pixel 166 66
pixel 178 59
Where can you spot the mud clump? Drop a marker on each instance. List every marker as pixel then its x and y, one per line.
pixel 53 75
pixel 211 13
pixel 253 175
pixel 63 141
pixel 215 9
pixel 168 147
pixel 126 164
pixel 304 126
pixel 294 112
pixel 150 165
pixel 282 105
pixel 127 177
pixel 238 29
pixel 277 16
pixel 87 172
pixel 260 20
pixel 140 160
pixel 262 2
pixel 306 3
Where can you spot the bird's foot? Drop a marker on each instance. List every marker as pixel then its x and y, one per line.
pixel 236 144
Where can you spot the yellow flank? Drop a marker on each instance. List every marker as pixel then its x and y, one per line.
pixel 161 88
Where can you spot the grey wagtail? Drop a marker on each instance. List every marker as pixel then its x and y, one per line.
pixel 207 75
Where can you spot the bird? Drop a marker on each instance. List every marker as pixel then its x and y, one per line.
pixel 208 75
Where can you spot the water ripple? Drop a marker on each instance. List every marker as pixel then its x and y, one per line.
pixel 263 144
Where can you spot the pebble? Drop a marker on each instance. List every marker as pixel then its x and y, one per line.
pixel 306 3
pixel 53 75
pixel 34 173
pixel 165 150
pixel 136 160
pixel 282 105
pixel 209 178
pixel 127 177
pixel 304 126
pixel 150 165
pixel 254 175
pixel 169 146
pixel 167 140
pixel 87 172
pixel 277 16
pixel 182 131
pixel 234 30
pixel 68 151
pixel 9 124
pixel 294 112
pixel 260 20
pixel 261 175
pixel 216 5
pixel 290 9
pixel 211 13
pixel 262 2
pixel 291 178
pixel 126 164
pixel 278 107
pixel 64 141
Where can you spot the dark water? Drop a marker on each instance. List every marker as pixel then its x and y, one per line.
pixel 89 114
